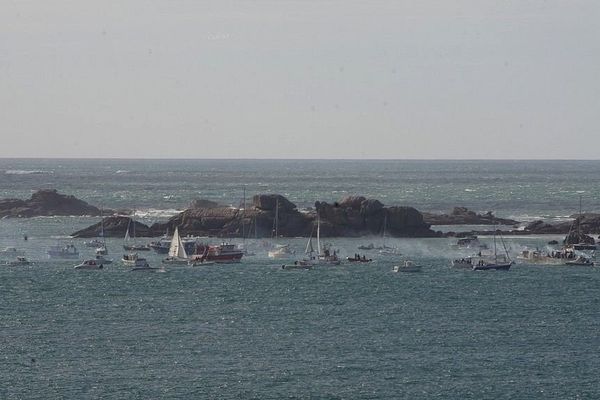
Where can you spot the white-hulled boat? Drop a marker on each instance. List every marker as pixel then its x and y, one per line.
pixel 133 260
pixel 325 256
pixel 89 264
pixel 177 254
pixel 407 266
pixel 19 261
pixel 300 264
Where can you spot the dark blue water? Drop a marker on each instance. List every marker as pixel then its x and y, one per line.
pixel 253 330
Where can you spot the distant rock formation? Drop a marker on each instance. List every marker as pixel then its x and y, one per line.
pixel 46 202
pixel 352 216
pixel 115 226
pixel 203 203
pixel 464 216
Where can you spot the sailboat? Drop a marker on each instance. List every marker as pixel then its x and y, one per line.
pixel 495 262
pixel 324 254
pixel 126 241
pixel 177 253
pixel 580 245
pixel 384 249
pixel 281 250
pixel 306 263
pixel 102 251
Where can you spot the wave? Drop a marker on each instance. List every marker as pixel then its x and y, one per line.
pixel 122 171
pixel 157 213
pixel 27 172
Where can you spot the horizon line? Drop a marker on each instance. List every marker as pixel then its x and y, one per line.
pixel 294 159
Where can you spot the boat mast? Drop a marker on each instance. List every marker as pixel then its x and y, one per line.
pixel 276 222
pixel 318 234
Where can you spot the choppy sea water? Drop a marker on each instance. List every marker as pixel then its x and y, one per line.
pixel 253 330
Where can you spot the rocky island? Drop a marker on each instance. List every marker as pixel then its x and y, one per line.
pixel 46 202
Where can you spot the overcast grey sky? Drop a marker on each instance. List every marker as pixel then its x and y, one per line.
pixel 300 79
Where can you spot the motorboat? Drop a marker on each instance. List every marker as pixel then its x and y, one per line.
pixel 369 246
pixel 102 256
pixel 133 260
pixel 89 264
pixel 68 251
pixel 19 261
pixel 470 242
pixel 300 264
pixel 357 258
pixel 11 252
pixel 407 266
pixel 581 261
pixel 222 253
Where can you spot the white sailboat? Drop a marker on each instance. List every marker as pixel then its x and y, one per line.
pixel 177 253
pixel 281 251
pixel 102 251
pixel 306 263
pixel 127 245
pixel 385 249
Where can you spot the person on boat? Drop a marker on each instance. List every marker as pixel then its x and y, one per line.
pixel 364 257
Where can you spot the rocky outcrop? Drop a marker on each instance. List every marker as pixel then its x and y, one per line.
pixel 46 203
pixel 115 226
pixel 203 203
pixel 464 216
pixel 353 216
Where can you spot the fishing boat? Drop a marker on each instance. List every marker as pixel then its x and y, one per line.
pixel 133 260
pixel 407 266
pixel 357 258
pixel 223 253
pixel 68 251
pixel 89 264
pixel 466 262
pixel 495 261
pixel 177 254
pixel 18 262
pixel 538 257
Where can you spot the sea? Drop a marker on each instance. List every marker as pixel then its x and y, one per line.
pixel 255 331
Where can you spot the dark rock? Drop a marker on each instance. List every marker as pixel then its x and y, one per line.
pixel 553 242
pixel 464 216
pixel 115 226
pixel 203 203
pixel 268 202
pixel 46 203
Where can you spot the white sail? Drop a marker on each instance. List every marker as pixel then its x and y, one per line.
pixel 309 246
pixel 177 249
pixel 127 234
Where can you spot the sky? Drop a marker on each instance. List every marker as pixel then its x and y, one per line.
pixel 300 79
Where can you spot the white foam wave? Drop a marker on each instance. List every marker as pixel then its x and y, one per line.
pixel 27 172
pixel 156 213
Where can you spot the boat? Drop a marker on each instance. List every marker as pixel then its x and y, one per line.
pixel 538 257
pixel 494 262
pixel 11 252
pixel 581 261
pixel 177 254
pixel 133 260
pixel 89 264
pixel 407 266
pixel 359 259
pixel 385 249
pixel 19 261
pixel 68 251
pixel 223 253
pixel 199 262
pixel 280 251
pixel 470 242
pixel 299 264
pixel 575 234
pixel 101 256
pixel 129 243
pixel 466 262
pixel 325 256
pixel 163 244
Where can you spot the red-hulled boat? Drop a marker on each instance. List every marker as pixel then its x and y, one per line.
pixel 222 253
